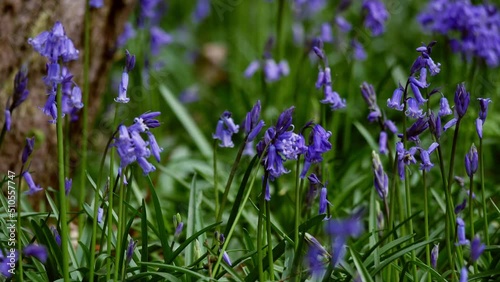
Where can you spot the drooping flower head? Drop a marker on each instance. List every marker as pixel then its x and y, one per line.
pixel 18 97
pixel 37 251
pixel 54 44
pixel 375 16
pixel 122 91
pixel 252 125
pixel 318 145
pixel 369 95
pixel 471 161
pixel 33 188
pixel 425 156
pixel 476 249
pixel 434 256
pixel 461 233
pixel 395 101
pixel 316 257
pixel 28 149
pixel 332 98
pixel 462 99
pixel 340 231
pixel 483 112
pixel 131 146
pixel 380 179
pixel 225 130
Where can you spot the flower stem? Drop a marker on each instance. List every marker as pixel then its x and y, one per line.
pixel 426 220
pixel 471 214
pixel 62 193
pixel 485 210
pixel 269 241
pixel 259 232
pixel 19 226
pixel 119 231
pixel 297 205
pixel 86 68
pixel 216 191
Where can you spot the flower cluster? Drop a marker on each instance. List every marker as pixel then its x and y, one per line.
pixel 122 91
pixel 375 16
pixel 341 230
pixel 476 26
pixel 225 130
pixel 278 145
pixel 273 71
pixel 57 48
pixel 131 146
pixel 325 81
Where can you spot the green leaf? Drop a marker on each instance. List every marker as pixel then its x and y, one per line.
pixel 144 236
pixel 365 275
pixel 163 234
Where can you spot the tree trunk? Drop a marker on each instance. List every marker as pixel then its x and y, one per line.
pixel 22 19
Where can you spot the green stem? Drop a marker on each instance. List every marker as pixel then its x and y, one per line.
pixel 62 193
pixel 426 219
pixel 269 241
pixel 260 255
pixel 471 214
pixel 19 226
pixel 279 27
pixel 297 205
pixel 216 191
pixel 119 231
pixel 111 181
pixel 230 180
pixel 485 210
pixel 86 68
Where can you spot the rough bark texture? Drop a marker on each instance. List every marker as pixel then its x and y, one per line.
pixel 21 19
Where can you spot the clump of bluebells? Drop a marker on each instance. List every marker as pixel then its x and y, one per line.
pixel 132 147
pixel 273 71
pixel 332 98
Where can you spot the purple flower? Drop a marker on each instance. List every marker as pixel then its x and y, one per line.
pixel 461 207
pixel 464 274
pixel 326 33
pixel 252 68
pixel 380 179
pixel 318 144
pixel 359 52
pixel 57 237
pixel 100 214
pixel 201 11
pixel 33 188
pixel 462 99
pixel 450 123
pixel 274 71
pixel 252 125
pixel 419 126
pixel 96 3
pixel 425 157
pixel 20 90
pixel 476 249
pixel 415 85
pixel 413 110
pixel 8 119
pixel 159 38
pixel 368 93
pixel 483 108
pixel 389 124
pixel 434 255
pixel 68 182
pixel 28 149
pixel 435 125
pixel 331 97
pixel 54 44
pixel 343 24
pixel 38 251
pixel 382 143
pixel 425 61
pixel 395 101
pixel 128 33
pixel 375 16
pixel 122 91
pixel 461 233
pixel 178 229
pixel 225 129
pixel 444 107
pixel 405 157
pixel 471 161
pixel 130 250
pixel 316 256
pixel 479 128
pixel 323 200
pixel 340 230
pixel 227 259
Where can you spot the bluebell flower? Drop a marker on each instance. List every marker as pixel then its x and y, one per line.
pixel 252 68
pixel 33 188
pixel 359 52
pixel 389 124
pixel 325 80
pixel 19 96
pixel 382 143
pixel 444 107
pixel 326 33
pixel 461 233
pixel 464 274
pixel 395 101
pixel 225 130
pixel 318 145
pixel 450 123
pixel 127 34
pixel 159 38
pixel 413 109
pixel 227 259
pixel 130 250
pixel 341 230
pixel 380 179
pixel 54 44
pixel 434 256
pixel 68 183
pixel 57 237
pixel 316 257
pixel 37 251
pixel 96 3
pixel 462 99
pixel 201 10
pixel 131 146
pixel 425 61
pixel 28 149
pixel 122 90
pixel 368 93
pixel 8 119
pixel 405 157
pixel 425 157
pixel 100 214
pixel 476 249
pixel 483 108
pixel 5 263
pixel 460 207
pixel 419 126
pixel 375 16
pixel 252 125
pixel 274 71
pixel 471 161
pixel 415 85
pixel 323 200
pixel 479 128
pixel 343 24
